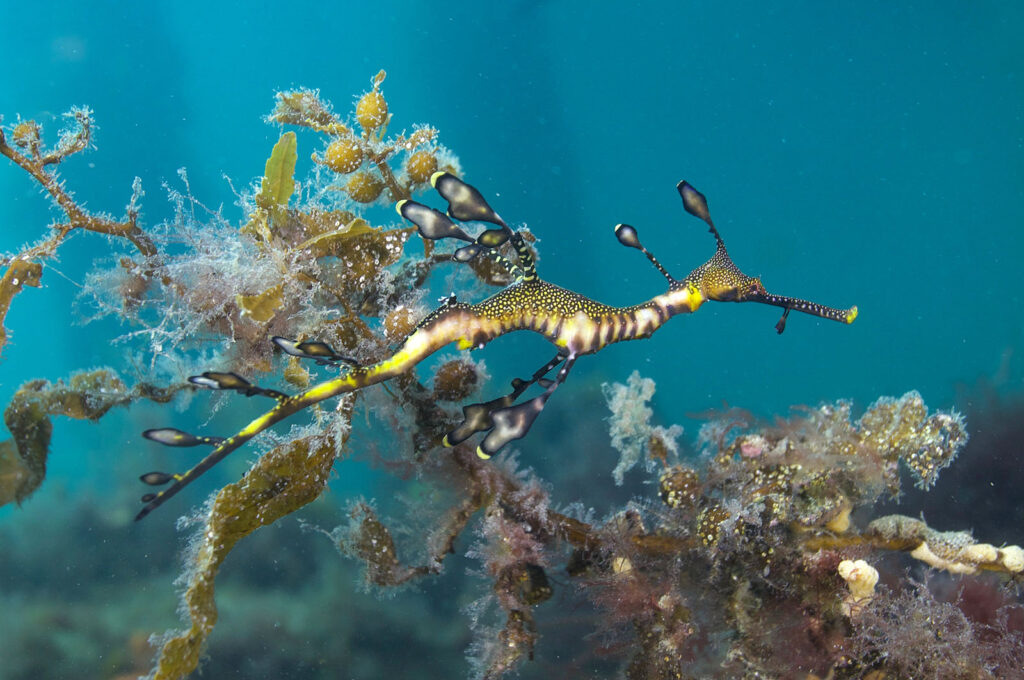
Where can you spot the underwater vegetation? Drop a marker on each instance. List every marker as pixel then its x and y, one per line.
pixel 761 558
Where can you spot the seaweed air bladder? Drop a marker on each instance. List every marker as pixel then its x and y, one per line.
pixel 575 324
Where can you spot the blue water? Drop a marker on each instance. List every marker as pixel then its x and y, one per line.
pixel 866 153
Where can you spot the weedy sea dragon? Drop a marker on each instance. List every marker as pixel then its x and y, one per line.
pixel 575 324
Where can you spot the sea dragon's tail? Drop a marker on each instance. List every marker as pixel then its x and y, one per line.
pixel 442 329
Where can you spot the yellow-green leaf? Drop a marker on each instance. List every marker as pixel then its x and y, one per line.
pixel 279 177
pixel 262 306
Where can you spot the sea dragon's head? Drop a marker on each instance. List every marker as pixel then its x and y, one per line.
pixel 720 279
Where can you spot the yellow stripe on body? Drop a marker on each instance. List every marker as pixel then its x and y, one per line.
pixel 419 345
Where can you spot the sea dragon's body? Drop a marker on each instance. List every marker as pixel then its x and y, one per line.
pixel 575 324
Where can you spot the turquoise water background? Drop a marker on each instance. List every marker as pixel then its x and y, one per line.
pixel 867 153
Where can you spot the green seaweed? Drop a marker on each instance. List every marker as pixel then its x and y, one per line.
pixel 279 178
pixel 87 395
pixel 283 480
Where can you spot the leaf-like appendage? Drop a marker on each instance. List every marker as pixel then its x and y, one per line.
pixel 279 176
pixel 263 306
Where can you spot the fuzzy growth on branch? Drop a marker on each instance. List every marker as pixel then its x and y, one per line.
pixel 23 144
